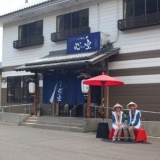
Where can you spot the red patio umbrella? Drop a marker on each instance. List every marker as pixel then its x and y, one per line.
pixel 103 80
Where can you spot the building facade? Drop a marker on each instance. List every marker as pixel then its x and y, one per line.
pixel 131 29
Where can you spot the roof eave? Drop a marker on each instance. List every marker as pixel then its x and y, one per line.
pixel 69 64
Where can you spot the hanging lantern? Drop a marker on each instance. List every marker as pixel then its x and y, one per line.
pixel 31 87
pixel 84 87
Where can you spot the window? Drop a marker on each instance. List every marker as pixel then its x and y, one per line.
pixel 30 30
pixel 140 7
pixel 14 93
pixel 14 89
pixel 73 20
pixel 158 5
pixel 27 97
pixel 128 8
pixel 151 6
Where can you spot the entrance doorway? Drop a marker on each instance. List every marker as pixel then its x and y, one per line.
pixel 64 110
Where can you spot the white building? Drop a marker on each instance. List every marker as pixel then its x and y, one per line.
pixel 41 29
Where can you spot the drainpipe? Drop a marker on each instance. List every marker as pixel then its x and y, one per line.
pixel 117 37
pixel 98 16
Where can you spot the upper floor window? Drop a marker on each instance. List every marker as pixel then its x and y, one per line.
pixel 134 8
pixel 73 20
pixel 30 30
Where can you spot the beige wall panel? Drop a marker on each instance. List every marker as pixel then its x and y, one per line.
pixel 147 96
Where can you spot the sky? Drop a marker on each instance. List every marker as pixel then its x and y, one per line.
pixel 6 5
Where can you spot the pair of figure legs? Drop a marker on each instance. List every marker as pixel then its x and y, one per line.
pixel 117 130
pixel 129 129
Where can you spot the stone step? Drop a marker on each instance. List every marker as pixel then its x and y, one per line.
pixel 54 127
pixel 57 120
pixel 32 120
pixel 56 123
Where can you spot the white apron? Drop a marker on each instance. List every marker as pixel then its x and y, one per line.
pixel 134 119
pixel 120 122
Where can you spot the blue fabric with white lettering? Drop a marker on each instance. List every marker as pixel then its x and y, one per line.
pixel 67 84
pixel 60 93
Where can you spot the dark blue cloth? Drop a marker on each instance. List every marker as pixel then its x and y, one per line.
pixel 49 82
pixel 71 90
pixel 68 88
pixel 74 93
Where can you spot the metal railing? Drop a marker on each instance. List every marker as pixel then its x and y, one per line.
pixel 26 110
pixel 28 42
pixel 144 117
pixel 139 21
pixel 73 109
pixel 63 35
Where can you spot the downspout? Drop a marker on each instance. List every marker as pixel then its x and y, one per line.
pixel 98 16
pixel 117 37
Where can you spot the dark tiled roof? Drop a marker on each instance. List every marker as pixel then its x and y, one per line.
pixel 65 58
pixel 71 60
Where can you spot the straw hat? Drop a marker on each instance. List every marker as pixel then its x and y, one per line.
pixel 117 105
pixel 131 103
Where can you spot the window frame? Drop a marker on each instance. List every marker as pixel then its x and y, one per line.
pixel 28 32
pixel 14 89
pixel 70 13
pixel 145 8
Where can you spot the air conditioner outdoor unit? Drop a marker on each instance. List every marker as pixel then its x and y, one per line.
pixel 104 38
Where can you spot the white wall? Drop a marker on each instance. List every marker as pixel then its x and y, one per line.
pixel 1 34
pixel 103 17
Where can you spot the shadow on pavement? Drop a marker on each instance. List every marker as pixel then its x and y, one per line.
pixel 123 142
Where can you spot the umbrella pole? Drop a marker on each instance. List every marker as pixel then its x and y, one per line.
pixel 103 102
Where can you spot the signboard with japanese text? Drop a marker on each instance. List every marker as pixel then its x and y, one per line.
pixel 83 43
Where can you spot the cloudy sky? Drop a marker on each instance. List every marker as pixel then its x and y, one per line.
pixel 7 5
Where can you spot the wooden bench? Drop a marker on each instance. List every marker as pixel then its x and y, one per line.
pixel 140 135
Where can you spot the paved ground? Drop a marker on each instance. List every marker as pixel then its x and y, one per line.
pixel 24 143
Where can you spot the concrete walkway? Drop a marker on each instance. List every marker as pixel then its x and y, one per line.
pixel 26 143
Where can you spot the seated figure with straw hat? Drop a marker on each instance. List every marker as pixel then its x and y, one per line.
pixel 133 122
pixel 117 121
